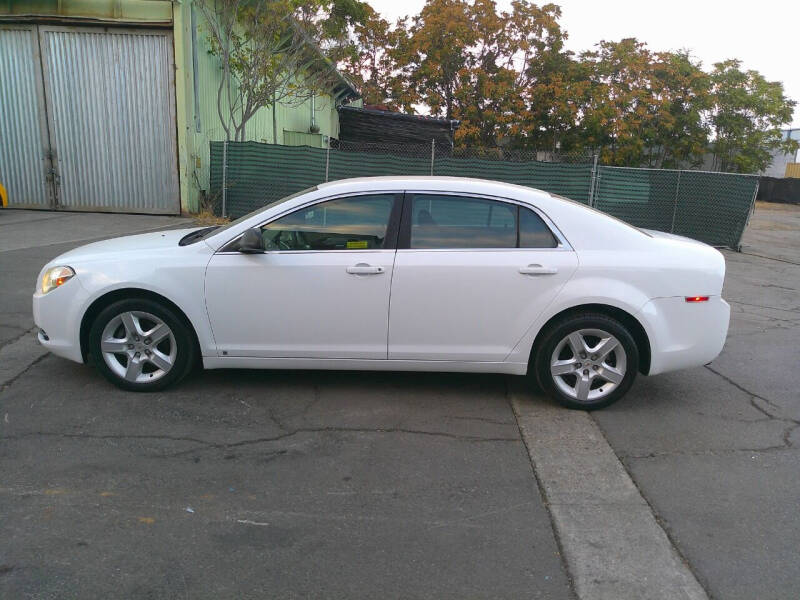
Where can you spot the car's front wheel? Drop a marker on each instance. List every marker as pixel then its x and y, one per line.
pixel 586 361
pixel 140 345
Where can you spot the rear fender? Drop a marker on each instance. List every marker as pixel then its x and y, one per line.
pixel 582 291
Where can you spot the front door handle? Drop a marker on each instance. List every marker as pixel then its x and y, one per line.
pixel 364 269
pixel 538 270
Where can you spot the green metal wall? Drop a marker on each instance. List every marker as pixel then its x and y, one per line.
pixel 290 119
pixel 121 11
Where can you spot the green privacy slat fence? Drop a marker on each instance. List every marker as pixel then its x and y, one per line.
pixel 711 207
pixel 714 207
pixel 343 165
pixel 258 174
pixel 572 181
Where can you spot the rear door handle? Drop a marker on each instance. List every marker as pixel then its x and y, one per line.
pixel 364 269
pixel 538 270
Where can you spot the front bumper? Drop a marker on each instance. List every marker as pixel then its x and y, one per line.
pixel 58 315
pixel 684 334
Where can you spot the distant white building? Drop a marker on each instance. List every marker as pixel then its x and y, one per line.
pixel 779 159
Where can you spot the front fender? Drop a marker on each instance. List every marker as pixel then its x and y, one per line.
pixel 177 276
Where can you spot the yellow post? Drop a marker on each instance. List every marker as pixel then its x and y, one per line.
pixel 3 196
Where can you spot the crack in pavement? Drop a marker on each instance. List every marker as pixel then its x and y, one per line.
pixel 482 420
pixel 9 382
pixel 795 309
pixel 783 260
pixel 795 423
pixel 205 444
pixel 717 452
pixel 25 332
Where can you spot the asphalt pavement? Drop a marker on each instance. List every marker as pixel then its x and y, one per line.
pixel 716 450
pixel 243 484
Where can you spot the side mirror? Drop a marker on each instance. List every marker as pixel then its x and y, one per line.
pixel 251 242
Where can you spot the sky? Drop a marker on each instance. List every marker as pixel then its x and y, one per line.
pixel 765 35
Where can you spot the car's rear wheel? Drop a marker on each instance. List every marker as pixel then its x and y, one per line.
pixel 140 345
pixel 586 361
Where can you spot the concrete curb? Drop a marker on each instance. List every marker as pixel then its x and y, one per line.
pixel 612 543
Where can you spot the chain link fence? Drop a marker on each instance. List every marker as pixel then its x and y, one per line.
pixel 710 207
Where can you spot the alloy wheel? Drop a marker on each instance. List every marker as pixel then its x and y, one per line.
pixel 588 364
pixel 138 346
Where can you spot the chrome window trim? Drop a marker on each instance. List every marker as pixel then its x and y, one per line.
pixel 563 243
pixel 284 252
pixel 556 249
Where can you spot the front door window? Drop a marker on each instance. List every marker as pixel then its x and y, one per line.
pixel 355 223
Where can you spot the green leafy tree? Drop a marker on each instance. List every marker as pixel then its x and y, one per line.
pixel 746 118
pixel 469 61
pixel 618 114
pixel 640 108
pixel 434 53
pixel 682 91
pixel 368 59
pixel 508 78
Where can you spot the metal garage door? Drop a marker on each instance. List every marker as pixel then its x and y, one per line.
pixel 108 104
pixel 23 129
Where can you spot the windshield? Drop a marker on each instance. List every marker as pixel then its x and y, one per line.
pixel 215 230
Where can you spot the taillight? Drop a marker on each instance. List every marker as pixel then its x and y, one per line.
pixel 696 298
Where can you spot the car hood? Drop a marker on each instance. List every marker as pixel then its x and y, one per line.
pixel 126 244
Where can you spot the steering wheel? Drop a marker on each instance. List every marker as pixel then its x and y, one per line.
pixel 278 243
pixel 287 240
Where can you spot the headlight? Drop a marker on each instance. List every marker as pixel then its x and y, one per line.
pixel 56 276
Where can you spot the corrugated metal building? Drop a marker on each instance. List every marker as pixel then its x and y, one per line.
pixel 780 164
pixel 110 105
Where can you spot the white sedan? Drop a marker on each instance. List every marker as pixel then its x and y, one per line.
pixel 394 273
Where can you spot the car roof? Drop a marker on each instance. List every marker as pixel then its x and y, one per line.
pixel 431 183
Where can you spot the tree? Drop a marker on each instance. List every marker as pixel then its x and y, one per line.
pixel 746 117
pixel 436 49
pixel 270 52
pixel 618 115
pixel 486 97
pixel 509 79
pixel 682 90
pixel 640 108
pixel 467 61
pixel 521 58
pixel 369 61
pixel 549 81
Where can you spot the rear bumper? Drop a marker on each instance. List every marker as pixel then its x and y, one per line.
pixel 684 334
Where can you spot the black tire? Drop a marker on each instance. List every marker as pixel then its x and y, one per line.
pixel 185 348
pixel 553 336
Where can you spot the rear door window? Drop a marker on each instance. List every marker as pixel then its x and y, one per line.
pixel 533 231
pixel 445 221
pixel 464 222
